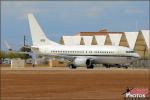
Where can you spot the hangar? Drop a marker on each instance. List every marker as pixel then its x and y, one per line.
pixel 142 44
pixel 139 41
pixel 86 40
pixel 100 40
pixel 131 38
pixel 115 38
pixel 70 40
pixel 123 41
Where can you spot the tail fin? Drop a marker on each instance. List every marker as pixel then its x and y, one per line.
pixel 37 34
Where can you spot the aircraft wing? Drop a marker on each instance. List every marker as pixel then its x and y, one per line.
pixel 61 57
pixel 24 52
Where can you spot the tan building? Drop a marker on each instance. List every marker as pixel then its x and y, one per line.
pixel 115 38
pixel 123 41
pixel 142 44
pixel 70 40
pixel 99 39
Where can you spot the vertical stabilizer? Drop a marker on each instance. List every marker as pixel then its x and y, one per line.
pixel 37 34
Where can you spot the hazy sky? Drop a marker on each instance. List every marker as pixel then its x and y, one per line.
pixel 59 18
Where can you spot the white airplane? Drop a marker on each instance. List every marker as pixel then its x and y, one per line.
pixel 80 55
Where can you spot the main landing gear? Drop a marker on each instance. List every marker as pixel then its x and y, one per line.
pixel 72 66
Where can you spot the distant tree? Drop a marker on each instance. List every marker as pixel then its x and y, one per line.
pixel 2 54
pixel 25 56
pixel 10 55
pixel 25 49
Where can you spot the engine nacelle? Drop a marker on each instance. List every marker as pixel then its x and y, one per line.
pixel 83 62
pixel 79 61
pixel 89 62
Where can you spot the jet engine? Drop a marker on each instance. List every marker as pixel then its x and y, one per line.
pixel 83 62
pixel 89 63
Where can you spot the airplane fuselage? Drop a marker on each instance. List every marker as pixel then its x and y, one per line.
pixel 100 54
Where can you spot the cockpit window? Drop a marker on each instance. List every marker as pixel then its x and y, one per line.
pixel 130 51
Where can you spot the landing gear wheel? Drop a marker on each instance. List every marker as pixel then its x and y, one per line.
pixel 107 66
pixel 126 67
pixel 90 67
pixel 72 66
pixel 118 67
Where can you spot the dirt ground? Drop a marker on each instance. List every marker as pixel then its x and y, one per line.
pixel 104 84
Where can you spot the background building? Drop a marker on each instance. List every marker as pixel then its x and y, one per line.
pixel 138 41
